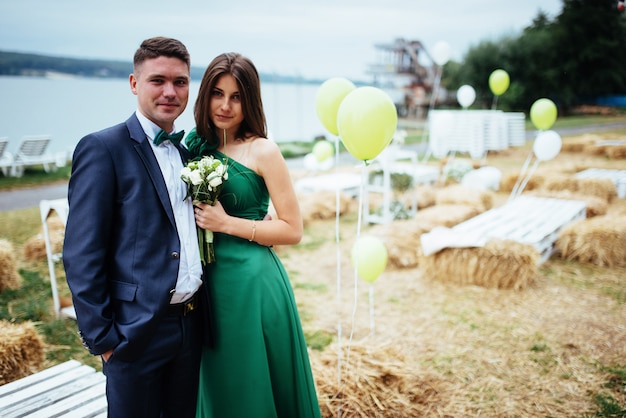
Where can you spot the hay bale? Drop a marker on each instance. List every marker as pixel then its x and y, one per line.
pixel 509 180
pixel 376 381
pixel 580 144
pixel 446 215
pixel 599 187
pixel 402 241
pixel 426 195
pixel 9 276
pixel 460 194
pixel 35 247
pixel 616 152
pixel 323 205
pixel 594 206
pixel 600 241
pixel 21 351
pixel 501 264
pixel 602 187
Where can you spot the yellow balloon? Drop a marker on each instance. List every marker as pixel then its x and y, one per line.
pixel 328 98
pixel 369 256
pixel 367 120
pixel 543 113
pixel 323 150
pixel 499 82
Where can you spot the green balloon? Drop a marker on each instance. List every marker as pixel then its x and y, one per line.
pixel 367 120
pixel 499 82
pixel 543 113
pixel 369 256
pixel 323 150
pixel 328 98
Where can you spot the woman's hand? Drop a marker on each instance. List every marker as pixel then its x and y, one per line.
pixel 211 217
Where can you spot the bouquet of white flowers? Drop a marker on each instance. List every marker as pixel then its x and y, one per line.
pixel 205 179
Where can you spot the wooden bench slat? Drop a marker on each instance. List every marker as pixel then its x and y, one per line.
pixel 90 399
pixel 37 377
pixel 97 408
pixel 50 397
pixel 47 388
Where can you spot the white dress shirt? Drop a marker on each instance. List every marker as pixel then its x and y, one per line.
pixel 190 267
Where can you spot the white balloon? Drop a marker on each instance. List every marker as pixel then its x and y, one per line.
pixel 547 145
pixel 466 95
pixel 441 52
pixel 310 162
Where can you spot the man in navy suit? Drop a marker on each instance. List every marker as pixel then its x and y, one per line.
pixel 131 251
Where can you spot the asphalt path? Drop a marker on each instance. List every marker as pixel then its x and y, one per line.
pixel 24 198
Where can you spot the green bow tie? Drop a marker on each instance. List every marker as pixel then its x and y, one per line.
pixel 163 136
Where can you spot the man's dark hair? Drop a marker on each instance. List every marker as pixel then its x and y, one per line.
pixel 160 46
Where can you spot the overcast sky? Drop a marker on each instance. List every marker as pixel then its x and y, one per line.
pixel 320 39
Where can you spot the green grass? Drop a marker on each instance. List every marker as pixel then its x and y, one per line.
pixel 35 176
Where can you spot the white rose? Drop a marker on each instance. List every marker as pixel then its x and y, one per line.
pixel 214 180
pixel 195 178
pixel 185 173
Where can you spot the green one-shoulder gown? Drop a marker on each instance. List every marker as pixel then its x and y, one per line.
pixel 259 367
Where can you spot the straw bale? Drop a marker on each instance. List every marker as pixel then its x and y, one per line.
pixel 402 241
pixel 580 144
pixel 616 152
pixel 599 187
pixel 446 215
pixel 376 381
pixel 600 241
pixel 501 264
pixel 35 247
pixel 595 206
pixel 426 195
pixel 612 150
pixel 9 275
pixel 459 194
pixel 602 188
pixel 323 205
pixel 509 180
pixel 21 351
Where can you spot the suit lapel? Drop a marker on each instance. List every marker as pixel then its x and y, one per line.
pixel 144 150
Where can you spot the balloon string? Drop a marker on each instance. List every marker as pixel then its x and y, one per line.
pixel 530 173
pixel 494 104
pixel 338 250
pixel 356 257
pixel 372 309
pixel 514 193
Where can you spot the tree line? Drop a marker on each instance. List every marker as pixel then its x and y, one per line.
pixel 23 64
pixel 573 59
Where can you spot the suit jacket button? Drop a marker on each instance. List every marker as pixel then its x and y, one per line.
pixel 175 255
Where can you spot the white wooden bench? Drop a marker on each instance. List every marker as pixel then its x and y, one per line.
pixel 617 176
pixel 69 389
pixel 531 220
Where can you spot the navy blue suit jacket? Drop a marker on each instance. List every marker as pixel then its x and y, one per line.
pixel 121 250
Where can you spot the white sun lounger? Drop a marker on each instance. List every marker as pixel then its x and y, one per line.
pixel 6 158
pixel 32 151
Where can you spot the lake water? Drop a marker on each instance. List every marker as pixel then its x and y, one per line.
pixel 69 108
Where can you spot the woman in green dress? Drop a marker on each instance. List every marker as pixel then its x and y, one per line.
pixel 259 365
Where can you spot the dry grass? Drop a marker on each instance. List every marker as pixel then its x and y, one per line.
pixel 412 346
